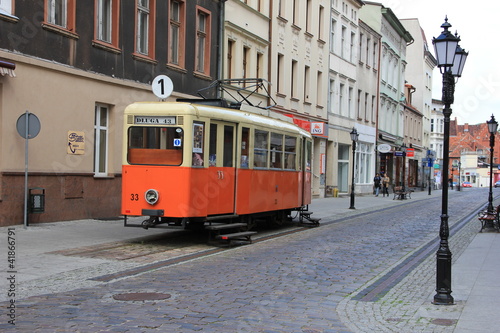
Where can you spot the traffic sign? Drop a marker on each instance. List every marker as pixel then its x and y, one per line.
pixel 28 125
pixel 162 86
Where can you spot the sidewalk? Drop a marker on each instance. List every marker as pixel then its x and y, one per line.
pixel 475 271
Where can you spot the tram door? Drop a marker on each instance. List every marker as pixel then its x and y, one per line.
pixel 222 168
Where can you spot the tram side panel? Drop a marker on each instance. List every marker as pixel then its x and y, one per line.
pixel 267 190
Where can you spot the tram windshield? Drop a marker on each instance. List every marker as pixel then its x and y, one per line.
pixel 155 145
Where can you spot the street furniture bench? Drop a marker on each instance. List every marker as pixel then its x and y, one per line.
pixel 401 193
pixel 489 219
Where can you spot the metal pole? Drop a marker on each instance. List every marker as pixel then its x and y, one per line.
pixel 353 170
pixel 430 170
pixel 26 171
pixel 443 254
pixel 490 195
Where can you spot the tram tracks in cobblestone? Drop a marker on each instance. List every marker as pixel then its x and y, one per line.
pixel 152 253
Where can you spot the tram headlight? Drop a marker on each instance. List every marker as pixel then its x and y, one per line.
pixel 152 196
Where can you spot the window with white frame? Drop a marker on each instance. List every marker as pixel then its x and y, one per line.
pixel 6 7
pixel 104 20
pixel 101 128
pixel 142 26
pixel 364 158
pixel 57 12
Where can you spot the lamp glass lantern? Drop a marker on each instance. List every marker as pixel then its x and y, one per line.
pixel 354 134
pixel 445 47
pixel 459 63
pixel 492 125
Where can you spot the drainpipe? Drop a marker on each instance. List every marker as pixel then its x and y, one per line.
pixel 220 50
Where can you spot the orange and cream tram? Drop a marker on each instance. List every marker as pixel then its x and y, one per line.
pixel 189 163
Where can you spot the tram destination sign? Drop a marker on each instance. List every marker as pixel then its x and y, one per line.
pixel 155 120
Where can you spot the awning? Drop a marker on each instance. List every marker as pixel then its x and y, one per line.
pixel 7 68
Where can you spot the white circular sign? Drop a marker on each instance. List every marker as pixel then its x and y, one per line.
pixel 162 86
pixel 384 148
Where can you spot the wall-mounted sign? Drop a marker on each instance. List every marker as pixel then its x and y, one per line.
pixel 318 128
pixel 384 148
pixel 410 152
pixel 76 143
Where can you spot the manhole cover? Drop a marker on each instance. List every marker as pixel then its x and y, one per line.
pixel 141 297
pixel 444 322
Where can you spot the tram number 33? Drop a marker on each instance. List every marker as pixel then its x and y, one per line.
pixel 134 197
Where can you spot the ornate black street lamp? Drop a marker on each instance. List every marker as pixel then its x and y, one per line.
pixel 403 149
pixel 354 138
pixel 450 60
pixel 492 128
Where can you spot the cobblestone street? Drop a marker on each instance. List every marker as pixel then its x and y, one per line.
pixel 312 281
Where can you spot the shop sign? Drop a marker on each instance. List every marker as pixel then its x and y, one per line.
pixel 76 143
pixel 318 128
pixel 410 152
pixel 384 148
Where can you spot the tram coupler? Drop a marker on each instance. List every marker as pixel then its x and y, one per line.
pixel 151 222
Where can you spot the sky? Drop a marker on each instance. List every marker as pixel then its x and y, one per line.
pixel 477 92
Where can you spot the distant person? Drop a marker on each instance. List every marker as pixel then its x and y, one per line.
pixel 377 183
pixel 385 185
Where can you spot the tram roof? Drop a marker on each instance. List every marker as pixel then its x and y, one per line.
pixel 246 114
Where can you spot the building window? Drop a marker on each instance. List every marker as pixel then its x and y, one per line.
pixel 57 12
pixel 281 73
pixel 230 64
pixel 260 65
pixel 319 89
pixel 176 33
pixel 101 128
pixel 341 99
pixel 142 26
pixel 145 32
pixel 107 21
pixel 331 95
pixel 61 13
pixel 333 27
pixel 308 16
pixel 307 86
pixel 321 19
pixel 246 52
pixel 203 41
pixel 343 42
pixel 293 80
pixel 352 47
pixel 6 7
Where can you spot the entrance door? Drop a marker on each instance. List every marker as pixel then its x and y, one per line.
pixel 222 167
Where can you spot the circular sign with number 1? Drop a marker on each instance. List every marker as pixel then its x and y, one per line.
pixel 162 86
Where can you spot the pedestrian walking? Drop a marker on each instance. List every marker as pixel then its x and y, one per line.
pixel 376 182
pixel 385 185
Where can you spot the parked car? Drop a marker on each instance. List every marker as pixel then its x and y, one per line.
pixel 497 184
pixel 466 184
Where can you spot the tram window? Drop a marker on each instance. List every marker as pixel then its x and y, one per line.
pixel 198 135
pixel 228 145
pixel 276 150
pixel 260 149
pixel 308 155
pixel 155 145
pixel 212 150
pixel 245 143
pixel 290 152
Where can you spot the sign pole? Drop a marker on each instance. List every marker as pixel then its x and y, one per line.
pixel 26 171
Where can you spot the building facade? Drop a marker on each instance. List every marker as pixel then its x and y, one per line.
pixel 76 67
pixel 390 122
